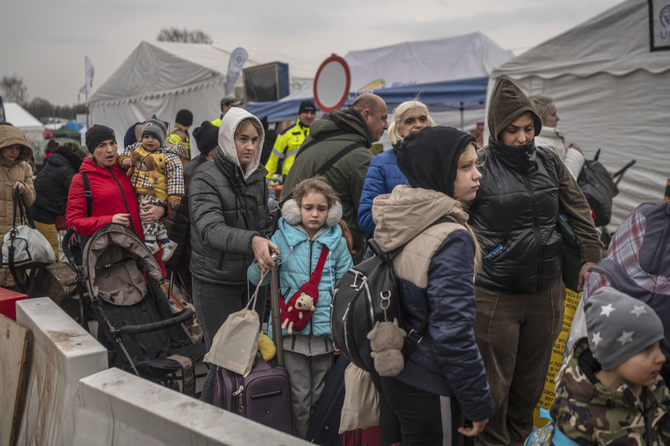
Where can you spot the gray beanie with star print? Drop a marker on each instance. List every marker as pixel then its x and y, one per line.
pixel 619 326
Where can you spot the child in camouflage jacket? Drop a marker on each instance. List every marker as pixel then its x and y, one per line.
pixel 609 390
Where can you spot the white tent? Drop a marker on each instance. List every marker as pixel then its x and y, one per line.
pixel 611 92
pixel 162 78
pixel 19 117
pixel 410 63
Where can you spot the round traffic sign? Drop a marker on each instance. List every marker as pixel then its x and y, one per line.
pixel 331 85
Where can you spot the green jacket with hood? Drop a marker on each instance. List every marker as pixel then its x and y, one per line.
pixel 347 175
pixel 589 413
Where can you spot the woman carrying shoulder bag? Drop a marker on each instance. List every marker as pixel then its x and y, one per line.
pixel 15 173
pixel 520 293
pixel 228 202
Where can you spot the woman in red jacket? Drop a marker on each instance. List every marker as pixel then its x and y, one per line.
pixel 112 194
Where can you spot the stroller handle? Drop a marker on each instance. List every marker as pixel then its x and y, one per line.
pixel 178 318
pixel 66 245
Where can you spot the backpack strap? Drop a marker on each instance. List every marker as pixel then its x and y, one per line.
pixel 318 139
pixel 414 337
pixel 87 194
pixel 327 165
pixel 605 272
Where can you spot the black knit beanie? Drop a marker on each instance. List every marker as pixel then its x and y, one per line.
pixel 155 127
pixel 307 106
pixel 97 134
pixel 206 136
pixel 429 157
pixel 184 117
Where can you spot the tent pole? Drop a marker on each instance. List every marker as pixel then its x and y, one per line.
pixel 462 125
pixel 86 92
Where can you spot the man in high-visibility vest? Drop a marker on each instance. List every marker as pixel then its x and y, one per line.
pixel 227 103
pixel 287 144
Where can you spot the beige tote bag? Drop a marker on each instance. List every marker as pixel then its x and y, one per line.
pixel 361 400
pixel 235 345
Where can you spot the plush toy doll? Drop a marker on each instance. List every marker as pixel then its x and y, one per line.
pixel 293 312
pixel 151 165
pixel 386 342
pixel 299 309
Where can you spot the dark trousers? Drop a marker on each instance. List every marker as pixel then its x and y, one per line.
pixel 409 415
pixel 213 304
pixel 516 335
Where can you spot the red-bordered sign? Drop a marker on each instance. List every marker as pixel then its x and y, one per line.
pixel 331 84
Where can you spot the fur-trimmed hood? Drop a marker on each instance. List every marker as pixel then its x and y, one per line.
pixel 10 135
pixel 227 129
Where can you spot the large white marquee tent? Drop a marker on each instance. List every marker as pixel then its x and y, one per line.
pixel 410 66
pixel 21 118
pixel 162 78
pixel 611 92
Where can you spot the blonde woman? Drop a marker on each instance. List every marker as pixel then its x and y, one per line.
pixel 383 174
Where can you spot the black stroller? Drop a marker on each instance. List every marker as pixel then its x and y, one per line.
pixel 135 319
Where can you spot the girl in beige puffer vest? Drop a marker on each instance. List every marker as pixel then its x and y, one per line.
pixel 15 172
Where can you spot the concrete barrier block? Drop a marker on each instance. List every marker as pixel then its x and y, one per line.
pixel 119 408
pixel 62 353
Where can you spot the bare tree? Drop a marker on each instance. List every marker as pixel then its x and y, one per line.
pixel 40 108
pixel 174 34
pixel 13 90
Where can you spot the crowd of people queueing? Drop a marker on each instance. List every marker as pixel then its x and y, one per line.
pixel 488 280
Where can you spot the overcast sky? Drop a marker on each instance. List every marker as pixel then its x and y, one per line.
pixel 45 41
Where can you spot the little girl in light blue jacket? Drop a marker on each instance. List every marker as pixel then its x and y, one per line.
pixel 310 220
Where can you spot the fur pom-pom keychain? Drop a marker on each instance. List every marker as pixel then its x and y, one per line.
pixel 386 342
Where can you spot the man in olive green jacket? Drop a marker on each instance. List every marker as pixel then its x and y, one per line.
pixel 365 123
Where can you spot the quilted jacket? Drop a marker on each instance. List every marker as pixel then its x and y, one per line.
pixel 435 272
pixel 228 208
pixel 298 259
pixel 383 175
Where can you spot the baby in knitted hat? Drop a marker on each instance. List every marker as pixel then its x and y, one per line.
pixel 157 175
pixel 609 390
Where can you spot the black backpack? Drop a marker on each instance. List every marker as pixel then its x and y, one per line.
pixel 365 295
pixel 598 188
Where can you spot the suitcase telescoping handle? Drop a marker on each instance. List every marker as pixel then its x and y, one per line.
pixel 276 317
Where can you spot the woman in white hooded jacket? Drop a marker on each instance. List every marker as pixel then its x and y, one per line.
pixel 228 205
pixel 551 138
